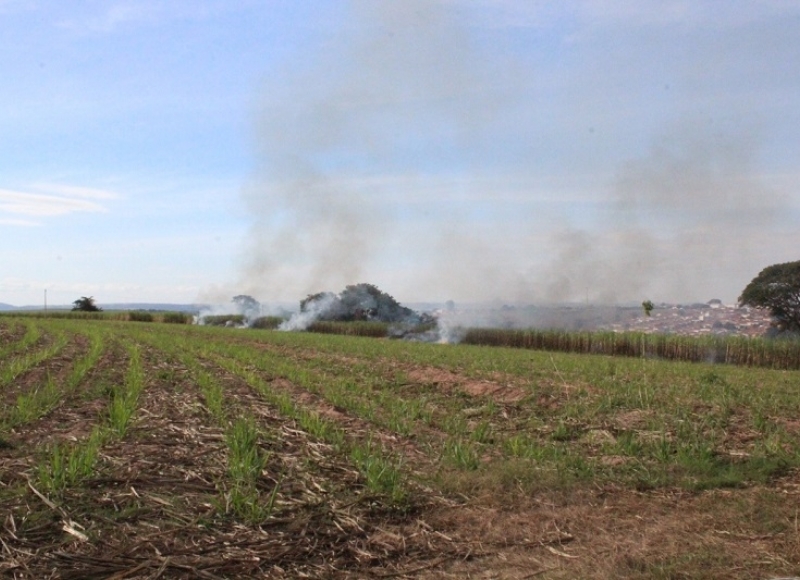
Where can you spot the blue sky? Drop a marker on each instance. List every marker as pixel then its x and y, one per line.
pixel 508 150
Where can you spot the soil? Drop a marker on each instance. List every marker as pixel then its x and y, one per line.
pixel 448 380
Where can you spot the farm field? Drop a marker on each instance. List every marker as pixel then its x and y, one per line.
pixel 150 450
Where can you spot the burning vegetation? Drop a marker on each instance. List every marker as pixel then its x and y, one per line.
pixel 361 303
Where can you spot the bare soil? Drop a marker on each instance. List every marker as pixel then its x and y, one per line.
pixel 448 380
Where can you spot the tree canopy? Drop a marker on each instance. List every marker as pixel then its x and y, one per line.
pixel 85 304
pixel 777 289
pixel 247 305
pixel 358 302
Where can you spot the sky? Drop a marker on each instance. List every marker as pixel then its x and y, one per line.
pixel 514 151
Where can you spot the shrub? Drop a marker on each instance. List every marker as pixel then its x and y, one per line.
pixel 369 329
pixel 138 316
pixel 267 322
pixel 223 320
pixel 177 318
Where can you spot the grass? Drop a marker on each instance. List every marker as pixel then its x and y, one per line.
pixel 383 475
pixel 246 461
pixel 33 404
pixel 688 401
pixel 461 454
pixel 380 474
pixel 31 336
pixel 240 494
pixel 66 464
pixel 44 394
pixel 125 397
pixel 13 367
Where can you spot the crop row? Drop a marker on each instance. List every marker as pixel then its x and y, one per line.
pixel 568 415
pixel 153 428
pixel 734 350
pixel 176 450
pixel 718 349
pixel 118 315
pixel 769 353
pixel 570 419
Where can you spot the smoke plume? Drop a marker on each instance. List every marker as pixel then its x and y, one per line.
pixel 406 154
pixel 687 214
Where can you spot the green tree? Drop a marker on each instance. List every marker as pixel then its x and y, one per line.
pixel 358 302
pixel 85 304
pixel 648 307
pixel 777 289
pixel 247 305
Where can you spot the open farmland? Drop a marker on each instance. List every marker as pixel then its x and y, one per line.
pixel 151 450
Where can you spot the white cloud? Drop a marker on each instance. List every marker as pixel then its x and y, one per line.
pixel 73 191
pixel 50 200
pixel 20 223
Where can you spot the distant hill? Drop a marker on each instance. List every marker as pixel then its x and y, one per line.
pixel 4 306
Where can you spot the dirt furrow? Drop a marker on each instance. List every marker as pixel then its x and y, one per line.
pixel 55 368
pixel 317 485
pixel 79 409
pixel 157 507
pixel 414 457
pixel 10 333
pixel 158 478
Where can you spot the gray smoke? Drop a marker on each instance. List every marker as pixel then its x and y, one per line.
pixel 402 155
pixel 303 319
pixel 341 146
pixel 684 216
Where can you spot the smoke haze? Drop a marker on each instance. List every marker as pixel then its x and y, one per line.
pixel 421 149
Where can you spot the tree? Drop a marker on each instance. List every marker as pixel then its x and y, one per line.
pixel 777 289
pixel 86 304
pixel 357 302
pixel 247 305
pixel 648 307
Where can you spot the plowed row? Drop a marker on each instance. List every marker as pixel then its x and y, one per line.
pixel 160 499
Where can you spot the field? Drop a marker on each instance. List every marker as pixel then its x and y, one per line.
pixel 136 449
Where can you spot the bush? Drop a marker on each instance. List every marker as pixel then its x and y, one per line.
pixel 369 329
pixel 137 316
pixel 223 320
pixel 177 318
pixel 267 322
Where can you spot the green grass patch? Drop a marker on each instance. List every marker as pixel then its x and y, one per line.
pixel 65 464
